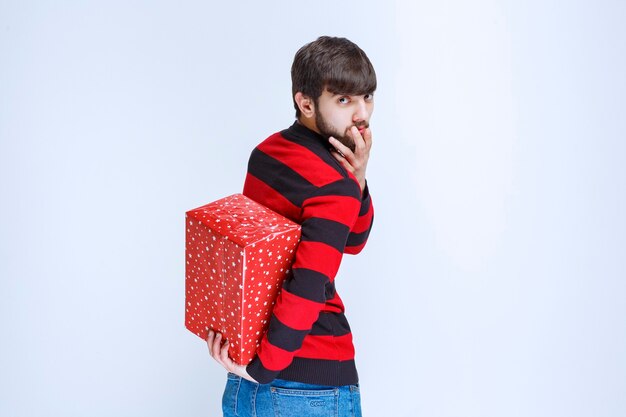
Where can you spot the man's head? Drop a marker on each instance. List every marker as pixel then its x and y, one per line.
pixel 333 83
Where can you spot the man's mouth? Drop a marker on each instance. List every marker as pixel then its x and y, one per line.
pixel 361 126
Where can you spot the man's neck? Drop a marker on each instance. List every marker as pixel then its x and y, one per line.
pixel 308 123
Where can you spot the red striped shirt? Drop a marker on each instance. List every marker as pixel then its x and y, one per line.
pixel 309 340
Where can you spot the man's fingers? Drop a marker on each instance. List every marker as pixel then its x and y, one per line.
pixel 219 352
pixel 209 342
pixel 362 140
pixel 357 138
pixel 367 137
pixel 342 149
pixel 224 355
pixel 213 342
pixel 343 161
pixel 216 347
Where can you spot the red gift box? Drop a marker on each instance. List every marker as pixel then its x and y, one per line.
pixel 238 254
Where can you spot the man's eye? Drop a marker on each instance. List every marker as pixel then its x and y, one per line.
pixel 369 97
pixel 344 100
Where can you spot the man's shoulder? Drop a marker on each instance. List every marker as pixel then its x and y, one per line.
pixel 290 149
pixel 285 137
pixel 302 162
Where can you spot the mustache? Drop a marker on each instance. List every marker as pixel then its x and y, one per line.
pixel 363 124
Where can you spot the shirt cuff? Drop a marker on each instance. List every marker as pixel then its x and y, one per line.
pixel 261 374
pixel 365 194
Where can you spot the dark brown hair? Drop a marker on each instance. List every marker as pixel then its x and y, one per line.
pixel 336 64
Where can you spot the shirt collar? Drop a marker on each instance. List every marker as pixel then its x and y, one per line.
pixel 301 130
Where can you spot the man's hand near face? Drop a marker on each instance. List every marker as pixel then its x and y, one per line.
pixel 355 162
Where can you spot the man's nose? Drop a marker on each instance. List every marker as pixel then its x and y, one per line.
pixel 361 111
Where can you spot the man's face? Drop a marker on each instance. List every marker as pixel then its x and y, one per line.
pixel 335 114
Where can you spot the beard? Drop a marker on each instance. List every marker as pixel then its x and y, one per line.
pixel 327 131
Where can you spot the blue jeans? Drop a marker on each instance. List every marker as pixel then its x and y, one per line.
pixel 281 398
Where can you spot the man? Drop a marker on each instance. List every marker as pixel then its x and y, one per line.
pixel 313 173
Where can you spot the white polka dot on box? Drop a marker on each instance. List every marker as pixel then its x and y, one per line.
pixel 238 254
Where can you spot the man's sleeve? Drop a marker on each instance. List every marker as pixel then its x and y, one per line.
pixel 363 225
pixel 327 217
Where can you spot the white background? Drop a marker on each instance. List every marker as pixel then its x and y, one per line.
pixel 493 283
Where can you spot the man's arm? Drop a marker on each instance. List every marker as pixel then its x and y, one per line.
pixel 361 230
pixel 326 234
pixel 356 163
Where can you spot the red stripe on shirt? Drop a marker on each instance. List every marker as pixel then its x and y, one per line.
pixel 327 347
pixel 273 357
pixel 319 257
pixel 300 159
pixel 353 250
pixel 270 198
pixel 318 207
pixel 364 222
pixel 296 312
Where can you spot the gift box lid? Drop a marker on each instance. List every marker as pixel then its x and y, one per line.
pixel 241 219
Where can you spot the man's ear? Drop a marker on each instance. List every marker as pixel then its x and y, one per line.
pixel 305 104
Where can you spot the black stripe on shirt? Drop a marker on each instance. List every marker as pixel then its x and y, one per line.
pixel 315 143
pixel 330 290
pixel 280 177
pixel 316 371
pixel 366 202
pixel 343 188
pixel 330 324
pixel 325 231
pixel 307 284
pixel 357 239
pixel 285 337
